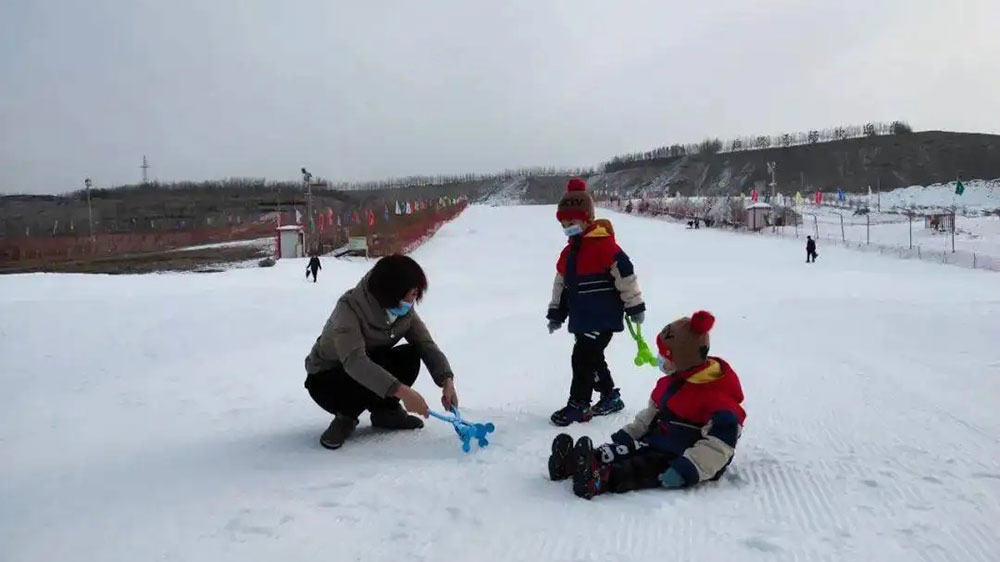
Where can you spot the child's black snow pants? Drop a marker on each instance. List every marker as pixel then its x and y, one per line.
pixel 590 370
pixel 634 466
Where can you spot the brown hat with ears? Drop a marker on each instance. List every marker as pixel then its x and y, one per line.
pixel 684 342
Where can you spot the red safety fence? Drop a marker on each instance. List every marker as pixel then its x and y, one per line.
pixel 389 234
pixel 57 248
pixel 409 237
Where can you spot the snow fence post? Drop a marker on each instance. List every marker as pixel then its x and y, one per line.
pixel 973 260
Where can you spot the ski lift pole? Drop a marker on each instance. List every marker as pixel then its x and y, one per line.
pixel 643 355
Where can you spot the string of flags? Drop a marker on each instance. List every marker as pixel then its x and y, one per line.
pixel 324 219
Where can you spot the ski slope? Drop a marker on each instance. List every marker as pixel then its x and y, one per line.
pixel 162 417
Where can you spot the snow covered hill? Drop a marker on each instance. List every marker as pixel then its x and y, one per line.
pixel 163 417
pixel 506 192
pixel 979 195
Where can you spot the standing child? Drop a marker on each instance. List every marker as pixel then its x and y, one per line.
pixel 686 435
pixel 595 286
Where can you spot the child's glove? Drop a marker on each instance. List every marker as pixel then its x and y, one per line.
pixel 553 326
pixel 621 437
pixel 638 317
pixel 671 479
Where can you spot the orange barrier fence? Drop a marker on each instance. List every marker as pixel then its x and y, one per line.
pixel 408 238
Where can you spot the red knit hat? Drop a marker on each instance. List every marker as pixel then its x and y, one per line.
pixel 576 204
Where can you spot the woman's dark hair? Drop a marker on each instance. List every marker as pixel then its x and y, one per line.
pixel 394 276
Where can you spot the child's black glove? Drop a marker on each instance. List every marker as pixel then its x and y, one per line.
pixel 621 437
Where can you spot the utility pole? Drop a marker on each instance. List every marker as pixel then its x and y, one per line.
pixel 145 170
pixel 953 229
pixel 307 180
pixel 909 213
pixel 774 184
pixel 90 212
pixel 868 227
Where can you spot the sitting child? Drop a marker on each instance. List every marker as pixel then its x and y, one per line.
pixel 686 435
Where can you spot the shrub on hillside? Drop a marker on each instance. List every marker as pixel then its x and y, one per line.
pixel 709 147
pixel 900 128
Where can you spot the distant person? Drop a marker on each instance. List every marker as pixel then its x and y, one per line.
pixel 355 364
pixel 811 254
pixel 313 267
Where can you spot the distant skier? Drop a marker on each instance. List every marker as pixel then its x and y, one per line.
pixel 686 435
pixel 595 286
pixel 811 254
pixel 313 267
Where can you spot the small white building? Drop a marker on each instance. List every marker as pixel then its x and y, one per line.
pixel 939 220
pixel 758 216
pixel 291 242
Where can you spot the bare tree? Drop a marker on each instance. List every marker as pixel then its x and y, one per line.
pixel 900 128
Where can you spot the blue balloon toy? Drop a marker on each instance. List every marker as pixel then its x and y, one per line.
pixel 466 430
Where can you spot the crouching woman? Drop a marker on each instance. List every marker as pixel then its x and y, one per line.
pixel 355 364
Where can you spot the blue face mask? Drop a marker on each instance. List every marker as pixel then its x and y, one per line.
pixel 402 309
pixel 665 366
pixel 574 230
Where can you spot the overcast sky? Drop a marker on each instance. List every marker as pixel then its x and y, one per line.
pixel 366 90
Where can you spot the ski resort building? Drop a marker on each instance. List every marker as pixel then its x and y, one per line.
pixel 758 216
pixel 291 242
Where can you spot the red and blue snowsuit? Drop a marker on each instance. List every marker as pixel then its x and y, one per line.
pixel 595 286
pixel 692 423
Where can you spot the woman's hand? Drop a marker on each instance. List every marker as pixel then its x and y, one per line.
pixel 412 400
pixel 449 397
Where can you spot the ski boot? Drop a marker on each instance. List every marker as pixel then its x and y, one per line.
pixel 574 411
pixel 561 463
pixel 609 403
pixel 590 475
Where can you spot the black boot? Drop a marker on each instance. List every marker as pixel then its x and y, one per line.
pixel 395 418
pixel 340 429
pixel 573 411
pixel 561 464
pixel 590 476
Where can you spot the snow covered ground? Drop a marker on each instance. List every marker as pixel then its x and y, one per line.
pixel 162 417
pixel 265 242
